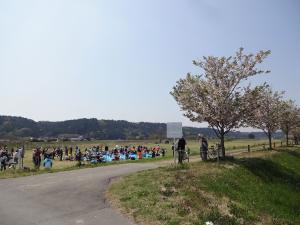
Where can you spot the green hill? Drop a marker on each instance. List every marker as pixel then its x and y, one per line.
pixel 18 127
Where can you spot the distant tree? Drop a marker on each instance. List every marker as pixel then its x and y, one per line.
pixel 290 113
pixel 296 129
pixel 218 97
pixel 296 134
pixel 267 116
pixel 251 136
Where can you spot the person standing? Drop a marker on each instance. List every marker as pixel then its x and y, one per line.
pixel 20 159
pixel 12 151
pixel 37 158
pixel 203 147
pixel 15 157
pixel 181 149
pixel 78 156
pixel 34 158
pixel 61 152
pixel 71 152
pixel 139 152
pixel 66 151
pixel 3 159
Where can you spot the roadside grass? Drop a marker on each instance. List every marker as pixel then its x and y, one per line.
pixel 58 166
pixel 256 188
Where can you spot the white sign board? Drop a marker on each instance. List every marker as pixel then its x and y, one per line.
pixel 174 130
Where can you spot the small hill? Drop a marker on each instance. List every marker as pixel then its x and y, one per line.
pixel 12 127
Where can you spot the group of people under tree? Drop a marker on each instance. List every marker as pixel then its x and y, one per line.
pixel 183 151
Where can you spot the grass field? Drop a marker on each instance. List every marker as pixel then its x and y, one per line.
pixel 69 165
pixel 258 188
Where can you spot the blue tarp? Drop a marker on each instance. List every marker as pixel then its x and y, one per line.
pixel 122 157
pixel 107 158
pixel 132 156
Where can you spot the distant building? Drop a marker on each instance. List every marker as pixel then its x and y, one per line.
pixel 79 138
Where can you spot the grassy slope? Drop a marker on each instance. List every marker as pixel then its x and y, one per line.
pixel 261 189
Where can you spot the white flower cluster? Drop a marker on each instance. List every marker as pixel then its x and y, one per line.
pixel 209 223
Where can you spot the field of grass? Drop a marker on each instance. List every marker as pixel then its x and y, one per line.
pixel 69 165
pixel 257 188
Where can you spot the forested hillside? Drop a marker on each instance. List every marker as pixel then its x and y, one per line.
pixel 19 127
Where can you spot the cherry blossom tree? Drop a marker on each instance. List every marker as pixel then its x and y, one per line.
pixel 267 116
pixel 220 96
pixel 296 134
pixel 296 129
pixel 290 114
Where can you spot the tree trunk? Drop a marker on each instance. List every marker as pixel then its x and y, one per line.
pixel 296 141
pixel 270 140
pixel 222 143
pixel 287 137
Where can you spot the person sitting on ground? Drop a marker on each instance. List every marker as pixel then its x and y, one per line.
pixel 48 162
pixel 153 153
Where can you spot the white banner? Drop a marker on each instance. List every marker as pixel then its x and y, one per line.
pixel 174 130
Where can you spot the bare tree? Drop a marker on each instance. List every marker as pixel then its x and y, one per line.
pixel 220 96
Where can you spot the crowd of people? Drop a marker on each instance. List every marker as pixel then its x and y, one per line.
pixel 44 156
pixel 11 158
pixel 96 154
pixel 99 154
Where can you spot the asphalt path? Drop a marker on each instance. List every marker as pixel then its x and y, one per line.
pixel 67 198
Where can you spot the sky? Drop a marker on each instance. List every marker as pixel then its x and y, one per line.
pixel 69 59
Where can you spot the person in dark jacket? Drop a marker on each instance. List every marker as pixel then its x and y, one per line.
pixel 3 159
pixel 36 158
pixel 181 149
pixel 203 147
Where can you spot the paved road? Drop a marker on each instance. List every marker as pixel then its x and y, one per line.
pixel 66 198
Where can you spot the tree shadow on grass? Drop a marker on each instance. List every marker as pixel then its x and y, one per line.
pixel 270 171
pixel 293 153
